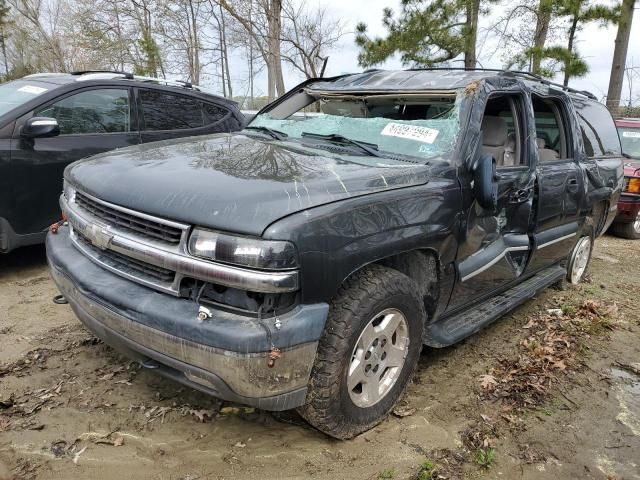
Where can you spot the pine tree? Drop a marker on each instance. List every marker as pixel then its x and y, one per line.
pixel 425 33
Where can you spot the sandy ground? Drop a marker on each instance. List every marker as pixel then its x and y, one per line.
pixel 70 407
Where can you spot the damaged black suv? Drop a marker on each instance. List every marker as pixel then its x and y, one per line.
pixel 304 261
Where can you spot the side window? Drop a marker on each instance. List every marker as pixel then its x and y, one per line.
pixel 214 113
pixel 599 132
pixel 552 132
pixel 166 111
pixel 502 130
pixel 91 111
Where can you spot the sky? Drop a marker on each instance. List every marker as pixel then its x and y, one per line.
pixel 595 44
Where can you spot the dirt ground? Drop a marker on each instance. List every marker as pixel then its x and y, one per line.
pixel 70 407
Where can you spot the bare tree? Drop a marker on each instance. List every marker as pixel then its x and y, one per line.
pixel 307 37
pixel 262 20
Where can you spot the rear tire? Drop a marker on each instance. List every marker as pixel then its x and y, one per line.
pixel 627 230
pixel 367 354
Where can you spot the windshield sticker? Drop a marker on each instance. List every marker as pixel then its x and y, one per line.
pixel 32 89
pixel 631 134
pixel 411 132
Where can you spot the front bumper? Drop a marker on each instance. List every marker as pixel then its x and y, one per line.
pixel 628 208
pixel 225 356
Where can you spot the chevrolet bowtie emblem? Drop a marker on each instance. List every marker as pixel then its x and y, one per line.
pixel 100 237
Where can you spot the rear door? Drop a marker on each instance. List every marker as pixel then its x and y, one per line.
pixel 92 120
pixel 495 247
pixel 561 188
pixel 167 115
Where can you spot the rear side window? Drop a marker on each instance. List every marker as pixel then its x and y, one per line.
pixel 599 133
pixel 166 111
pixel 91 111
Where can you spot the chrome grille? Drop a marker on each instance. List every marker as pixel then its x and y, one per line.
pixel 127 265
pixel 123 220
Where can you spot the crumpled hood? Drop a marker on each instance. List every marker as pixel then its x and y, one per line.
pixel 632 168
pixel 232 182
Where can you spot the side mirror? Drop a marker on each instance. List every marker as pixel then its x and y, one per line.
pixel 40 127
pixel 485 182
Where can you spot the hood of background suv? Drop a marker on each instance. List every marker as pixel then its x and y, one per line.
pixel 232 182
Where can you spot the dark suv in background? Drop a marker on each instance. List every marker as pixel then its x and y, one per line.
pixel 50 120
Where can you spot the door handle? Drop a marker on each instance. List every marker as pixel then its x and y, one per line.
pixel 520 195
pixel 572 185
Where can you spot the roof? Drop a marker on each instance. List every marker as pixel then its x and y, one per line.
pixel 83 76
pixel 376 80
pixel 628 122
pixel 427 79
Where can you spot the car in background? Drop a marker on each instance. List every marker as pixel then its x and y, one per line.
pixel 627 222
pixel 49 120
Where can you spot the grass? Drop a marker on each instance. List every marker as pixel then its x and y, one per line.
pixel 485 457
pixel 387 474
pixel 426 470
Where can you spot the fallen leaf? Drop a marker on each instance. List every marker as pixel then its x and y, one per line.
pixel 403 411
pixel 76 457
pixel 240 445
pixel 118 442
pixel 488 382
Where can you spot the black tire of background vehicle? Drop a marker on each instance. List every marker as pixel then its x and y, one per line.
pixel 329 407
pixel 626 230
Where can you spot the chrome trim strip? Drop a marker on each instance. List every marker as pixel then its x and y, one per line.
pixel 155 253
pixel 494 261
pixel 556 240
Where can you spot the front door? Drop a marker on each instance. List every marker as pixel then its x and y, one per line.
pixel 91 121
pixel 495 245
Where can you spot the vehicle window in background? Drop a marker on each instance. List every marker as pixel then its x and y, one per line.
pixel 164 111
pixel 423 127
pixel 91 111
pixel 598 130
pixel 214 113
pixel 630 139
pixel 13 94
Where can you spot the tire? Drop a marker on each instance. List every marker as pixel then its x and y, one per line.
pixel 629 230
pixel 336 404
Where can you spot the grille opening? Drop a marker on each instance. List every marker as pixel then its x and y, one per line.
pixel 235 299
pixel 129 265
pixel 126 221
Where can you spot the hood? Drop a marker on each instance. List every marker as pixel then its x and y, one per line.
pixel 632 168
pixel 233 182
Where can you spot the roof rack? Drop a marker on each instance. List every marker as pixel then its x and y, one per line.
pixel 515 73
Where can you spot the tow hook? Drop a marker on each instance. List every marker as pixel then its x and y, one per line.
pixel 274 355
pixel 53 228
pixel 204 314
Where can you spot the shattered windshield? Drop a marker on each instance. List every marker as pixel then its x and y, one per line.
pixel 14 94
pixel 416 125
pixel 630 139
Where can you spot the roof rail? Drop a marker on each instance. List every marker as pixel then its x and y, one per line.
pixel 85 75
pixel 515 73
pixel 127 75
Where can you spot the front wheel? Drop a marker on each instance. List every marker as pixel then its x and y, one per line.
pixel 367 354
pixel 629 230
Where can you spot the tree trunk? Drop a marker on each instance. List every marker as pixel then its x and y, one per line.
pixel 473 9
pixel 614 93
pixel 4 53
pixel 274 65
pixel 540 36
pixel 225 54
pixel 572 36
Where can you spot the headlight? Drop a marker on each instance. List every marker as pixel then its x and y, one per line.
pixel 68 191
pixel 245 251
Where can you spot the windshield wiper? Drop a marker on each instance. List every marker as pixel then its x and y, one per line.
pixel 369 148
pixel 278 135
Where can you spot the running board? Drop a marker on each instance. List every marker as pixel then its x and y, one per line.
pixel 449 330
